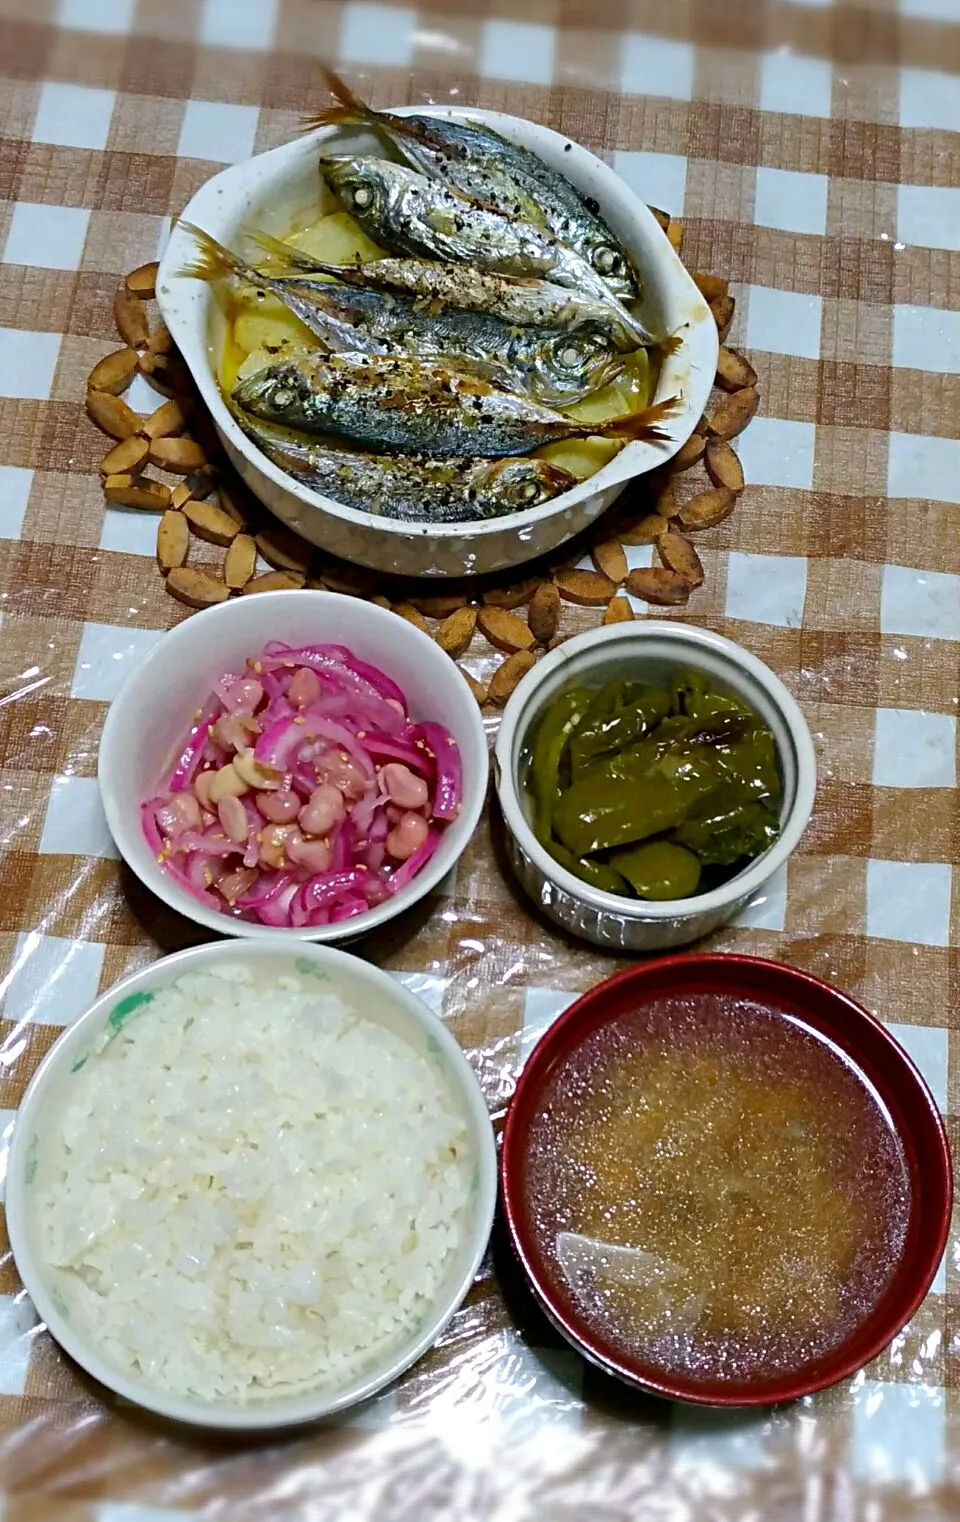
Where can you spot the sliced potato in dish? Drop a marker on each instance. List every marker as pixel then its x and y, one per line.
pixel 581 457
pixel 337 239
pixel 268 324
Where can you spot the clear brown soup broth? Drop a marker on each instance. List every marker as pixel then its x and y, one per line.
pixel 724 1196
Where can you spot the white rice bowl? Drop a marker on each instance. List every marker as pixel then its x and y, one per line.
pixel 252 1190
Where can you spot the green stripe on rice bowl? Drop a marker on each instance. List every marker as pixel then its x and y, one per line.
pixel 252 1190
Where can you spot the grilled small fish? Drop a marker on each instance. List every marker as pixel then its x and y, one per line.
pixel 473 160
pixel 481 179
pixel 415 489
pixel 553 366
pixel 340 319
pixel 516 300
pixel 405 406
pixel 214 261
pixel 406 212
pixel 548 363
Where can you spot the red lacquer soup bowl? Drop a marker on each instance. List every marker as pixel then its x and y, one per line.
pixel 726 1182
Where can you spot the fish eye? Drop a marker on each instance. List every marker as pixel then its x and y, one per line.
pixel 570 356
pixel 607 260
pixel 283 397
pixel 362 196
pixel 529 491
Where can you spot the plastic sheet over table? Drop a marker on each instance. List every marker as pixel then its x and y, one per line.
pixel 501 1419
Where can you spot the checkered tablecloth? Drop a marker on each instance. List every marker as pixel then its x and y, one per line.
pixel 812 151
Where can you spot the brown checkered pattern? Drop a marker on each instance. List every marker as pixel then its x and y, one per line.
pixel 812 150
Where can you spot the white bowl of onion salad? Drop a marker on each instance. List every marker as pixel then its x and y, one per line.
pixel 307 763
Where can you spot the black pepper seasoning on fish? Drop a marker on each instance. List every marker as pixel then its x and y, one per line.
pixel 524 300
pixel 412 488
pixel 473 160
pixel 407 213
pixel 405 406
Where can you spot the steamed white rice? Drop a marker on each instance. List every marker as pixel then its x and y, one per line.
pixel 253 1191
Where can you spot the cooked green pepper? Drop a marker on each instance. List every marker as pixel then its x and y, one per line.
pixel 596 814
pixel 677 744
pixel 562 715
pixel 659 869
pixel 725 835
pixel 686 687
pixel 620 714
pixel 596 873
pixel 691 696
pixel 751 764
pixel 636 788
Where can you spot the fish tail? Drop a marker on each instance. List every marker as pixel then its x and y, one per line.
pixel 270 245
pixel 669 345
pixel 288 257
pixel 212 260
pixel 349 111
pixel 555 478
pixel 638 425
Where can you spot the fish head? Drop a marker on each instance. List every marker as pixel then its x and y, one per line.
pixel 514 485
pixel 609 260
pixel 365 186
pixel 277 392
pixel 574 364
